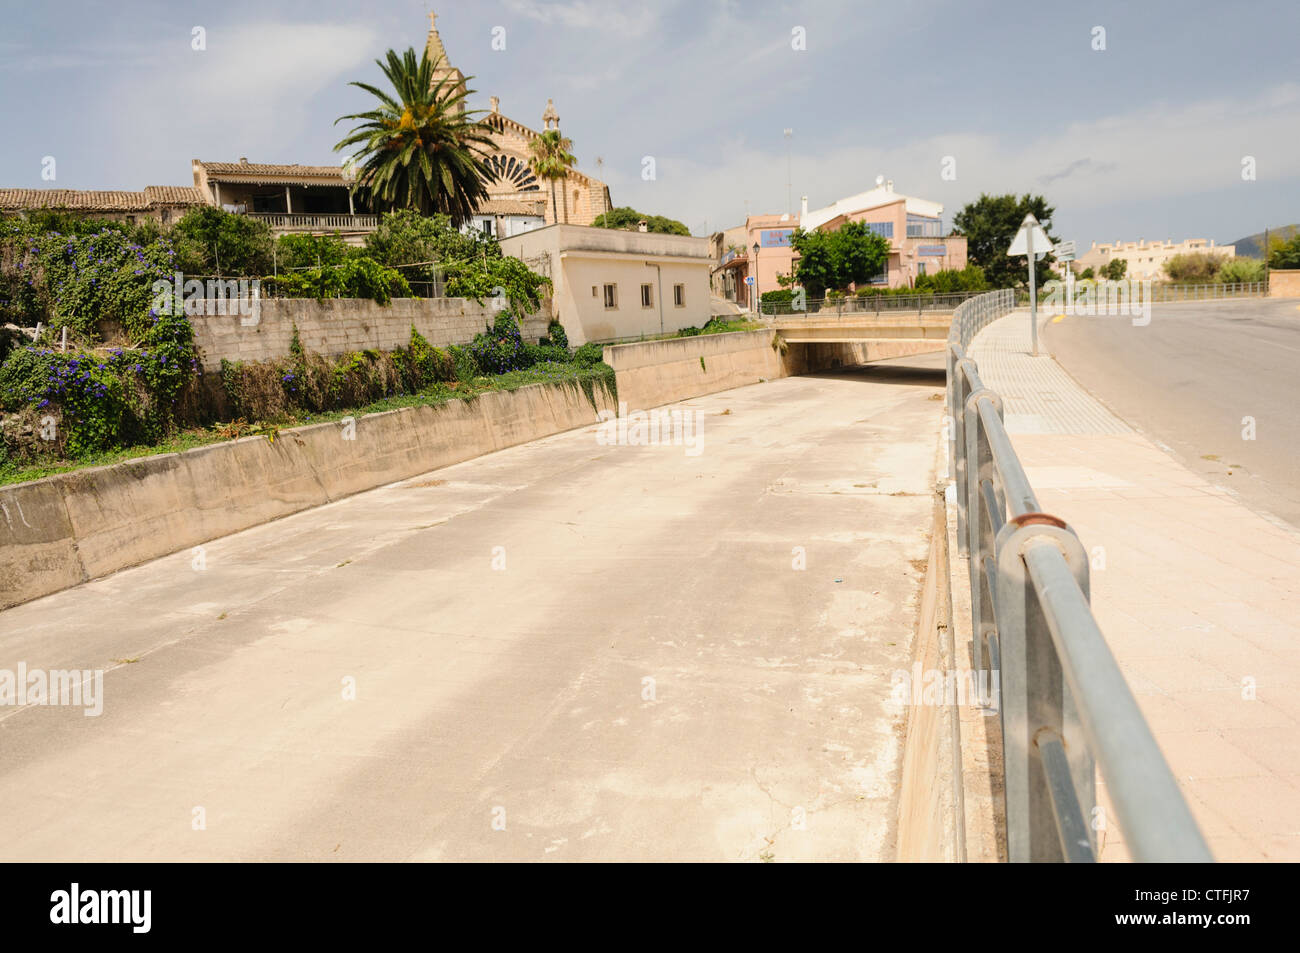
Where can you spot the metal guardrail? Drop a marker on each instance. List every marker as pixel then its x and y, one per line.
pixel 1156 292
pixel 1065 707
pixel 865 304
pixel 1165 293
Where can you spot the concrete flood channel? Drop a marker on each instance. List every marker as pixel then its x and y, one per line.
pixel 571 649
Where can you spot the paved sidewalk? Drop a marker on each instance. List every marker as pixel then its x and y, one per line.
pixel 1197 595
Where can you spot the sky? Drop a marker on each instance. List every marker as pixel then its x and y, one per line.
pixel 1161 119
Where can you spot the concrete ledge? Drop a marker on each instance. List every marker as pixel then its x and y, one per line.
pixel 654 373
pixel 931 825
pixel 66 529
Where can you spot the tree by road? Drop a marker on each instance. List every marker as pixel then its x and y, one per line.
pixel 834 260
pixel 990 224
pixel 1285 254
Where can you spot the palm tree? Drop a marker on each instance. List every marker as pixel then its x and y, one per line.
pixel 551 160
pixel 419 148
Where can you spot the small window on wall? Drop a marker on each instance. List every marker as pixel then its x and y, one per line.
pixel 595 292
pixel 611 296
pixel 679 296
pixel 647 296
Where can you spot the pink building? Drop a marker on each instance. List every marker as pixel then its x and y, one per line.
pixel 914 228
pixel 737 257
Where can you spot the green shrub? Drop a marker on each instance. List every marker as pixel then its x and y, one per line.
pixel 1194 267
pixel 428 364
pixel 84 281
pixel 406 237
pixel 589 355
pixel 211 241
pixel 952 280
pixel 98 401
pixel 556 335
pixel 358 277
pixel 309 251
pixel 541 353
pixel 463 361
pixel 1240 270
pixel 509 277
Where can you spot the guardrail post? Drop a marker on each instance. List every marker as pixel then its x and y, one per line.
pixel 962 383
pixel 1036 703
pixel 980 525
pixel 952 354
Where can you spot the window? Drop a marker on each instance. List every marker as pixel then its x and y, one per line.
pixel 647 296
pixel 883 229
pixel 595 293
pixel 679 296
pixel 611 296
pixel 486 226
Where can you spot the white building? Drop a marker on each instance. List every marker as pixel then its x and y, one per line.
pixel 612 285
pixel 1146 260
pixel 502 218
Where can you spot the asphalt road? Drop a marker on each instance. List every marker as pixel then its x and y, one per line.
pixel 1189 378
pixel 562 651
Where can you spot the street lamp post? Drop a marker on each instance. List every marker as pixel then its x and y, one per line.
pixel 758 307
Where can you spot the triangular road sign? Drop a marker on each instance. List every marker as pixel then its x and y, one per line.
pixel 1020 244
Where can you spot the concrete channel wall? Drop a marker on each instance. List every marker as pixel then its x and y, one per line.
pixel 66 529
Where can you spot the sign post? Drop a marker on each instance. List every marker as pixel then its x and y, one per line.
pixel 1031 236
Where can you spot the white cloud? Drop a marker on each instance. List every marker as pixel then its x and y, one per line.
pixel 1156 152
pixel 245 94
pixel 599 15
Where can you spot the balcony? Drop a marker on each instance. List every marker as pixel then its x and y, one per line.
pixel 317 221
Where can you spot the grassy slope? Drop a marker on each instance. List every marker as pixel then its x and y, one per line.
pixel 436 394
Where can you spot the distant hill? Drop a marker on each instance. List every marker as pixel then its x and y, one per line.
pixel 1252 246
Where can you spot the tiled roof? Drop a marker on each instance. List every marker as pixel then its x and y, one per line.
pixel 95 201
pixel 263 169
pixel 173 195
pixel 507 207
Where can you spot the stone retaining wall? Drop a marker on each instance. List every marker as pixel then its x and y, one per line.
pixel 337 326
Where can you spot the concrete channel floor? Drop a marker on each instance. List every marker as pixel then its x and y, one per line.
pixel 643 676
